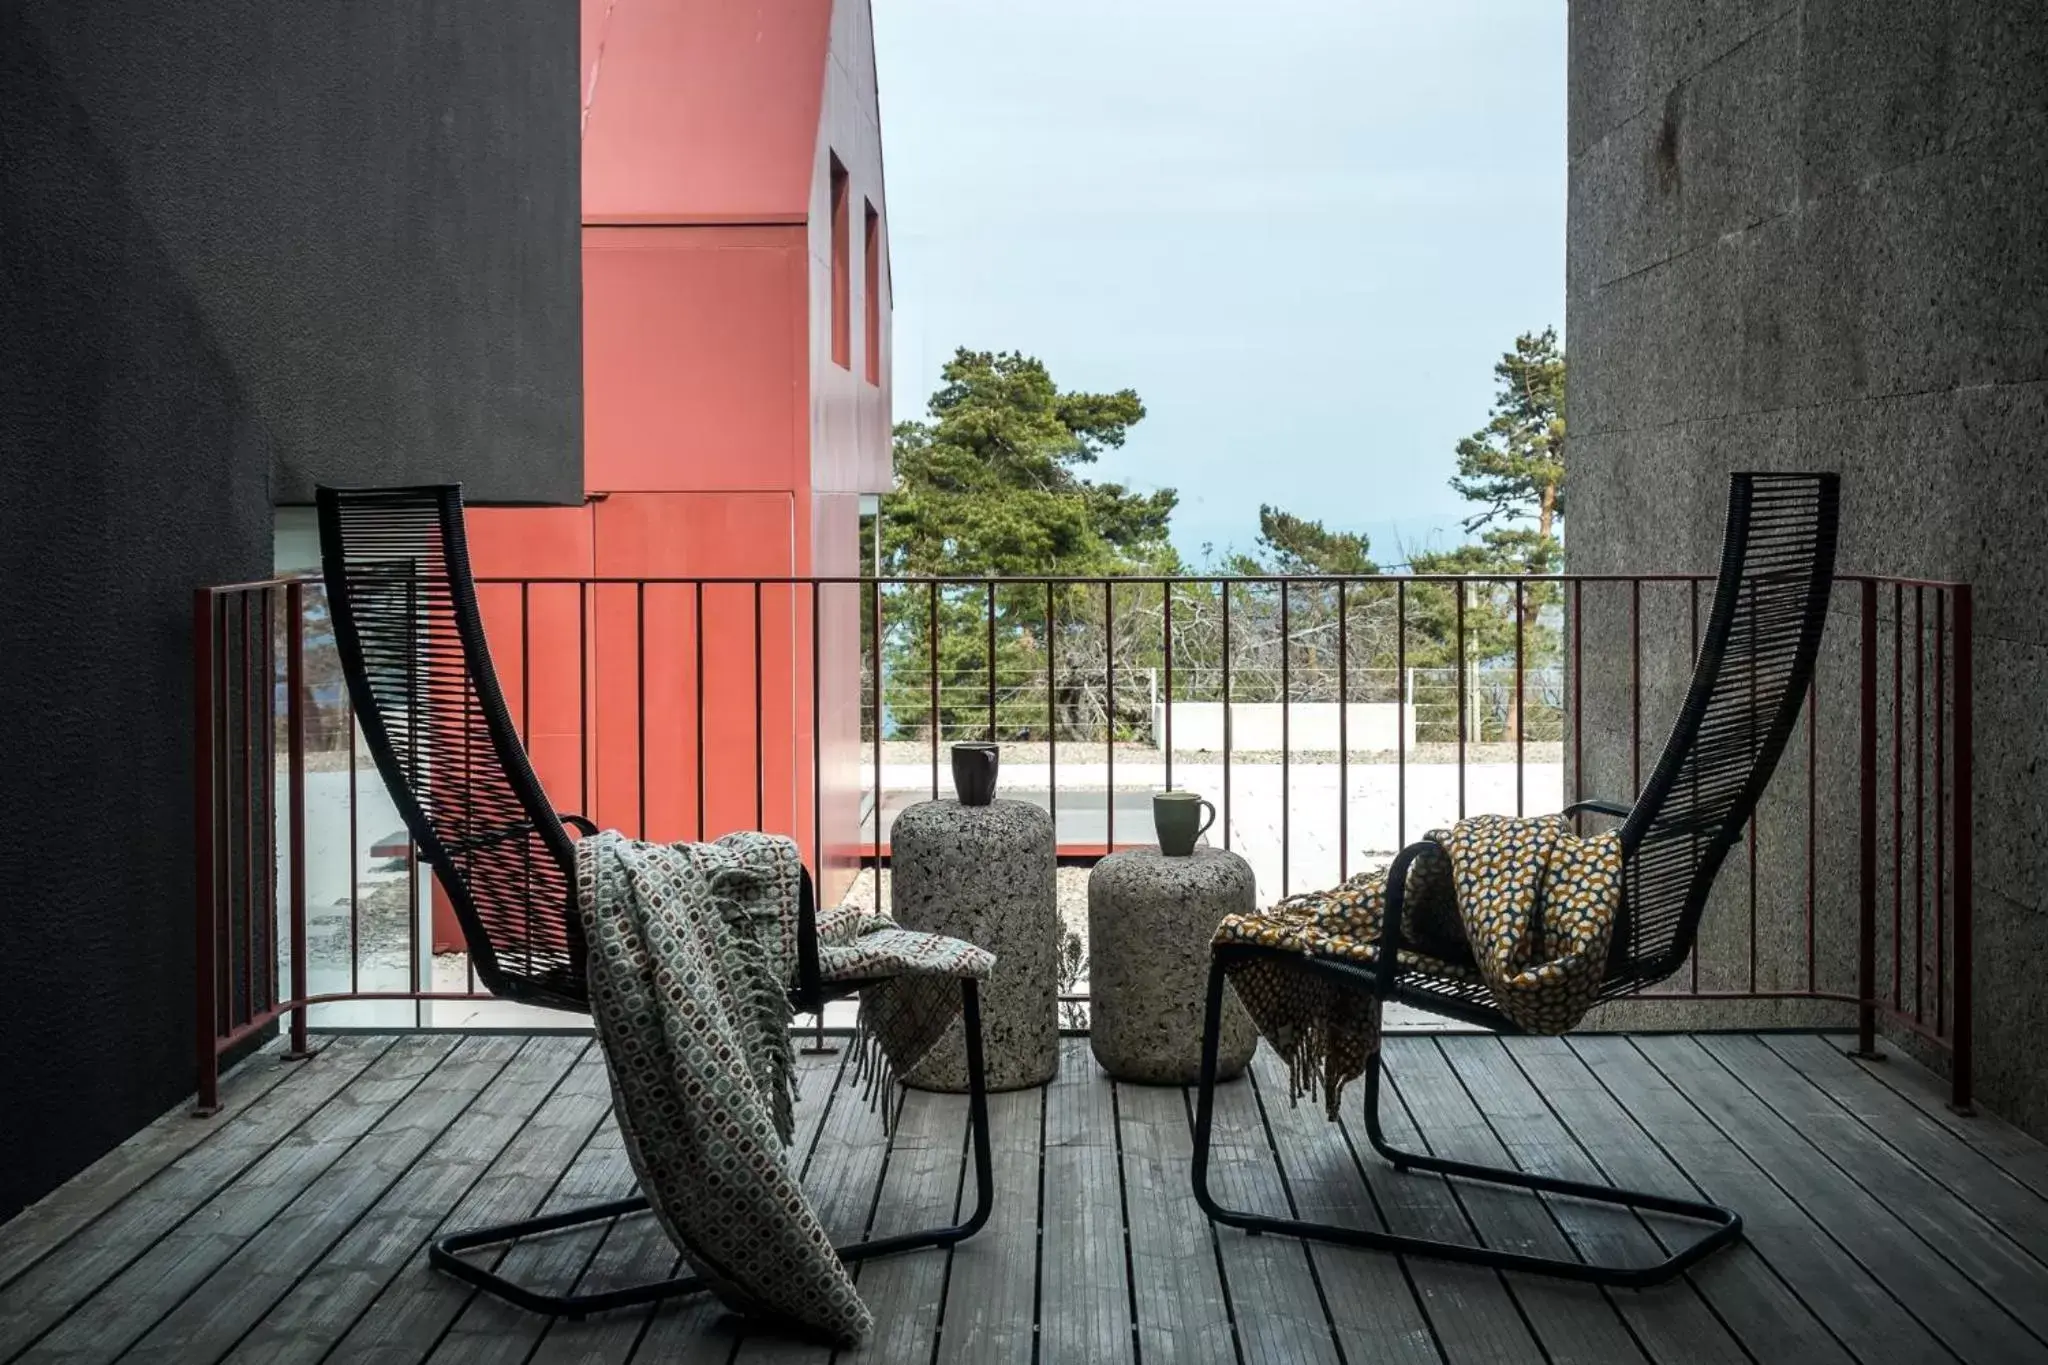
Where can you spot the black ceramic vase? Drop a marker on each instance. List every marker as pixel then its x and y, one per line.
pixel 974 772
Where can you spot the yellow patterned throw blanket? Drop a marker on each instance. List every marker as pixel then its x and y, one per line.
pixel 1521 906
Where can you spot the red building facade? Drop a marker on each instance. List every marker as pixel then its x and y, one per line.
pixel 736 392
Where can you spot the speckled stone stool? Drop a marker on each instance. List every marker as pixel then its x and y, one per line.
pixel 1150 922
pixel 987 874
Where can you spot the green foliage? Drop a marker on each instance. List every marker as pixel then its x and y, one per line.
pixel 1293 545
pixel 993 484
pixel 1514 465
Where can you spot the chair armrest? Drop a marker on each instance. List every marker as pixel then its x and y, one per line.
pixel 1388 965
pixel 1598 807
pixel 581 824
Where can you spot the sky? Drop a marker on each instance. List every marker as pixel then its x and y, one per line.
pixel 1302 230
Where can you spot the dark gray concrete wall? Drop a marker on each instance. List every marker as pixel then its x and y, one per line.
pixel 375 207
pixel 211 298
pixel 1815 235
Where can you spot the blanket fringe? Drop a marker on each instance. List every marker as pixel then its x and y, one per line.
pixel 872 1071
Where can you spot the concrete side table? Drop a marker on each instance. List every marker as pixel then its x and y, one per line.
pixel 987 874
pixel 1150 922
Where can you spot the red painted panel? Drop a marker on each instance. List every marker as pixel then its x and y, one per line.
pixel 694 357
pixel 647 679
pixel 703 110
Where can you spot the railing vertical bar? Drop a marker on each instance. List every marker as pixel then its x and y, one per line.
pixel 1866 817
pixel 252 688
pixel 760 718
pixel 697 629
pixel 1635 685
pixel 412 849
pixel 1940 812
pixel 355 845
pixel 1109 713
pixel 818 749
pixel 1693 628
pixel 1343 735
pixel 525 666
pixel 875 716
pixel 818 865
pixel 1898 794
pixel 1521 712
pixel 932 648
pixel 1224 820
pixel 267 940
pixel 1812 821
pixel 992 732
pixel 1751 841
pixel 1919 800
pixel 1578 706
pixel 277 889
pixel 1962 1034
pixel 1462 722
pixel 1166 640
pixel 1052 717
pixel 1286 736
pixel 640 697
pixel 1401 703
pixel 295 756
pixel 586 603
pixel 205 856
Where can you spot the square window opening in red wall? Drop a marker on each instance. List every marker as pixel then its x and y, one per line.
pixel 842 287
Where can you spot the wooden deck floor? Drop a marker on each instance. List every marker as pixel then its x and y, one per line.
pixel 290 1228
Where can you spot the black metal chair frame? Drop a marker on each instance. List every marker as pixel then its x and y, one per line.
pixel 409 529
pixel 1780 539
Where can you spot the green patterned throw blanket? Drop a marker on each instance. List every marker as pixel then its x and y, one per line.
pixel 692 950
pixel 1521 906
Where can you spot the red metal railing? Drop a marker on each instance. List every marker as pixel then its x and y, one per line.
pixel 680 708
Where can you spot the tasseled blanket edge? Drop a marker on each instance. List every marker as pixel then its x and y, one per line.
pixel 881 1091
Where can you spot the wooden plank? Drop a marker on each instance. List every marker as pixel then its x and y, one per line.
pixel 2016 1153
pixel 1953 1164
pixel 388 1240
pixel 130 1303
pixel 1474 1314
pixel 923 1189
pixel 1869 1322
pixel 1746 1294
pixel 1183 1314
pixel 1271 1284
pixel 1574 1322
pixel 1987 1258
pixel 265 1267
pixel 1373 1307
pixel 637 1250
pixel 1671 1321
pixel 991 1305
pixel 104 1248
pixel 489 1329
pixel 46 1224
pixel 1956 1311
pixel 1085 1290
pixel 413 1310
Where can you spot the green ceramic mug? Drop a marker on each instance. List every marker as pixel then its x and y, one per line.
pixel 1177 816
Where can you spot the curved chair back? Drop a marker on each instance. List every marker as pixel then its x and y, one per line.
pixel 419 670
pixel 1749 681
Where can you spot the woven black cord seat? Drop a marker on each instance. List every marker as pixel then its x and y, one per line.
pixel 1749 681
pixel 412 649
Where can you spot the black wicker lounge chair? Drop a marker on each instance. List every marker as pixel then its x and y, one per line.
pixel 412 648
pixel 1749 680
